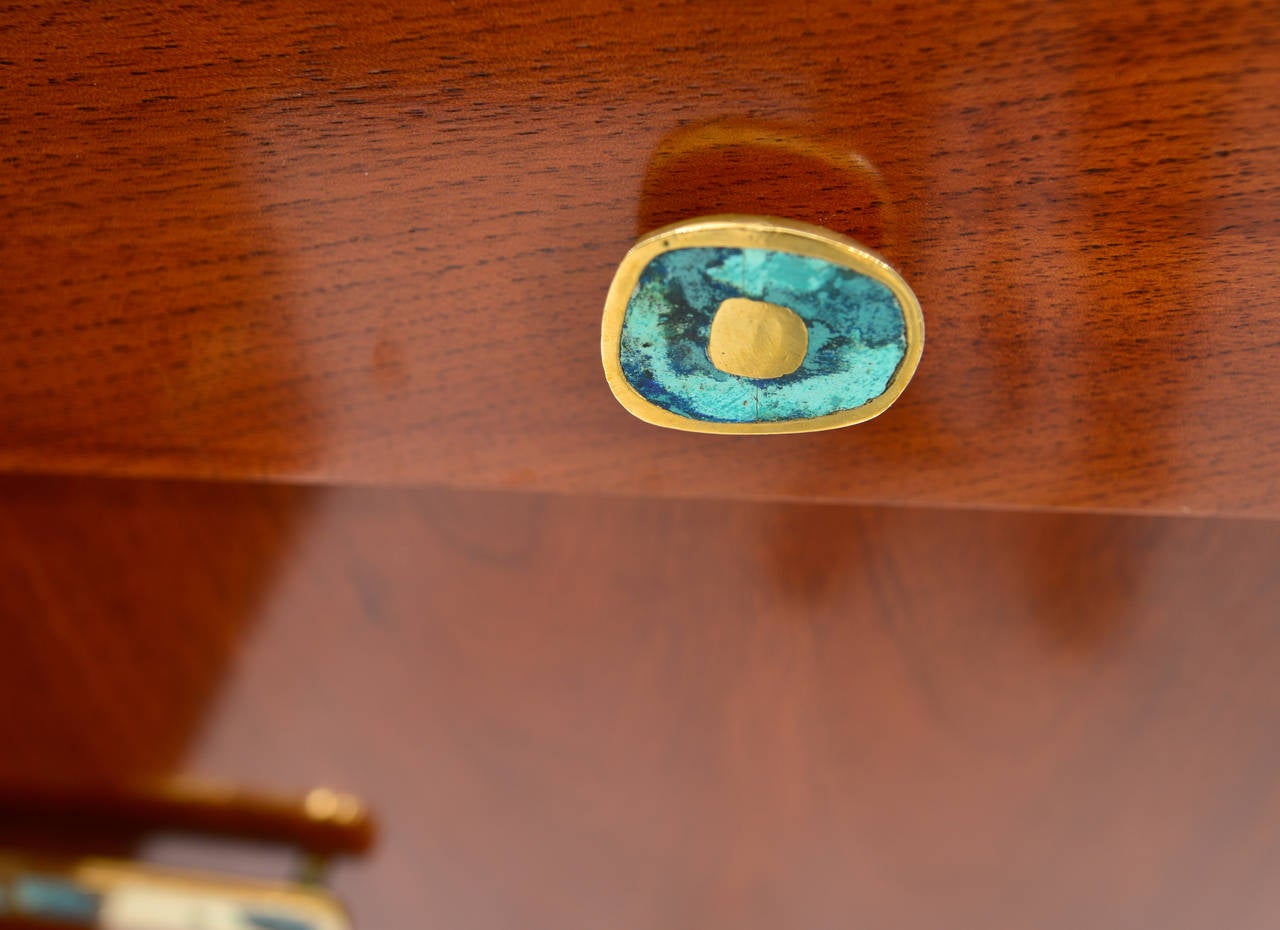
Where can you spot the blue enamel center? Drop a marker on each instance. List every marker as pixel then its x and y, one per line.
pixel 857 336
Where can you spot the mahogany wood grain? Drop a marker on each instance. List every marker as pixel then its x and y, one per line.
pixel 370 243
pixel 609 712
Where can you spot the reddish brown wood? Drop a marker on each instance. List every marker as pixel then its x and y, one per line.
pixel 592 712
pixel 371 243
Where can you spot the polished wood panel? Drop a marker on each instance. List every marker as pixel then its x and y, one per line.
pixel 371 243
pixel 594 712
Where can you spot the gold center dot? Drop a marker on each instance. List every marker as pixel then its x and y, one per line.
pixel 754 339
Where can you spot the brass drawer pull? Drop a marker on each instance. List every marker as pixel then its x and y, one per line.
pixel 742 324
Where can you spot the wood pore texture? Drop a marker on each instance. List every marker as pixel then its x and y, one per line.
pixel 579 712
pixel 371 242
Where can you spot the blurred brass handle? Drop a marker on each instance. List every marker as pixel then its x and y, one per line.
pixel 89 892
pixel 322 822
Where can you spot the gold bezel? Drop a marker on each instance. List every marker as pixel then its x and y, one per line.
pixel 737 231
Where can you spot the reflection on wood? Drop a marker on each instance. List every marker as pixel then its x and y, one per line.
pixel 123 606
pixel 625 713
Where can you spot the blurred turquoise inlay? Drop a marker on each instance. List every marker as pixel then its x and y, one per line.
pixel 55 899
pixel 857 335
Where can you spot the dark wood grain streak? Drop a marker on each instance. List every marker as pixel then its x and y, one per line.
pixel 371 243
pixel 590 712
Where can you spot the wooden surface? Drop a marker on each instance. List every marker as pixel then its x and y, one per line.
pixel 577 712
pixel 367 243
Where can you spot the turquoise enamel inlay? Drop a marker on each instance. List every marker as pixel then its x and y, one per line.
pixel 260 920
pixel 55 899
pixel 857 335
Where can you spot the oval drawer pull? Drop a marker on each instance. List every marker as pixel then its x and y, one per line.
pixel 743 324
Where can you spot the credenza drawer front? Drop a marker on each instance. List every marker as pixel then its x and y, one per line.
pixel 372 244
